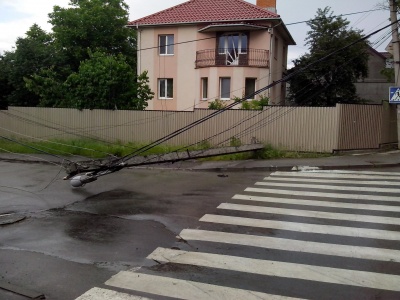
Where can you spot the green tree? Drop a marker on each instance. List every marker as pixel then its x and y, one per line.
pixel 33 52
pixel 5 87
pixel 95 25
pixel 49 86
pixel 107 82
pixel 330 81
pixel 103 81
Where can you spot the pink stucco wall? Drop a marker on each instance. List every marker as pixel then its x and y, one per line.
pixel 187 79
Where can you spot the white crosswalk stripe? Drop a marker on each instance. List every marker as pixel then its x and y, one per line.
pixel 297 216
pixel 325 194
pixel 183 289
pixel 359 175
pixel 104 294
pixel 330 187
pixel 329 181
pixel 311 214
pixel 323 203
pixel 292 245
pixel 280 269
pixel 304 227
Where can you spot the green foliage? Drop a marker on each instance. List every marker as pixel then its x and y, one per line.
pixel 89 61
pixel 143 91
pixel 204 144
pixel 330 81
pixel 102 82
pixel 50 88
pixel 98 25
pixel 95 149
pixel 217 104
pixel 106 82
pixel 87 148
pixel 235 142
pixel 32 53
pixel 389 74
pixel 256 104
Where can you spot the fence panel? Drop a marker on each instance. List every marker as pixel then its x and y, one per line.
pixel 316 129
pixel 365 126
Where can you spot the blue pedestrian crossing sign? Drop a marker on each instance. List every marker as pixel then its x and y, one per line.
pixel 394 94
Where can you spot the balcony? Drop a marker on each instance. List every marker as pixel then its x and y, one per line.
pixel 232 57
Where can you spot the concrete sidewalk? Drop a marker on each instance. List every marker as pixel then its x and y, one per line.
pixel 348 161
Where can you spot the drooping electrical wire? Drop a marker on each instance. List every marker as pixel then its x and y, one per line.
pixel 284 79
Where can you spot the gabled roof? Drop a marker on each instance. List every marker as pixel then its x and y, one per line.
pixel 199 11
pixel 383 55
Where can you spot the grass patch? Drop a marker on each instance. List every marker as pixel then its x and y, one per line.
pixel 95 149
pixel 86 148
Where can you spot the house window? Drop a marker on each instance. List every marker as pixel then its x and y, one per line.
pixel 204 88
pixel 225 88
pixel 232 45
pixel 233 42
pixel 165 88
pixel 250 88
pixel 166 44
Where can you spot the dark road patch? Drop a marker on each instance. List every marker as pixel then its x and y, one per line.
pixel 119 202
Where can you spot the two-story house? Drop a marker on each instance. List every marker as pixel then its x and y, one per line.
pixel 202 50
pixel 375 87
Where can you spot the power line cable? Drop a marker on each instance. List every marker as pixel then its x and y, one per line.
pixel 284 79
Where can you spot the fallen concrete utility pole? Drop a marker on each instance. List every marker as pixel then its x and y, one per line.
pixel 91 170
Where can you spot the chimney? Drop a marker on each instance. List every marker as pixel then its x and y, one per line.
pixel 267 4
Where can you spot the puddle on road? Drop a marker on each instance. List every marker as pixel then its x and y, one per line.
pixel 95 229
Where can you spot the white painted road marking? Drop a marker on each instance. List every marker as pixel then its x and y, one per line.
pixel 183 289
pixel 335 181
pixel 330 187
pixel 187 289
pixel 303 227
pixel 349 175
pixel 360 206
pixel 279 269
pixel 368 253
pixel 325 194
pixel 310 214
pixel 103 294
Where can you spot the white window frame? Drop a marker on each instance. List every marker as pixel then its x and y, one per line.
pixel 166 82
pixel 166 48
pixel 204 88
pixel 221 79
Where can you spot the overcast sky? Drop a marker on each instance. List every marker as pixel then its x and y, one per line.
pixel 16 16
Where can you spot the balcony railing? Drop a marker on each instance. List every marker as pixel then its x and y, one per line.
pixel 232 57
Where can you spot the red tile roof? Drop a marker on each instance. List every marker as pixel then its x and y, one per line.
pixel 198 11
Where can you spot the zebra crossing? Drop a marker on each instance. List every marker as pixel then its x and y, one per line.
pixel 294 235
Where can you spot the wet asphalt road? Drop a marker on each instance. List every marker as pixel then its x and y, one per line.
pixel 75 239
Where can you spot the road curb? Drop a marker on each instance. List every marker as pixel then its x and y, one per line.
pixel 271 168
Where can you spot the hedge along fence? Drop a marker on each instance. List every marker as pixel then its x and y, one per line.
pixel 314 129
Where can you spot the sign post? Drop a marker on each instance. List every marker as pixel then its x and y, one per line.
pixel 396 57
